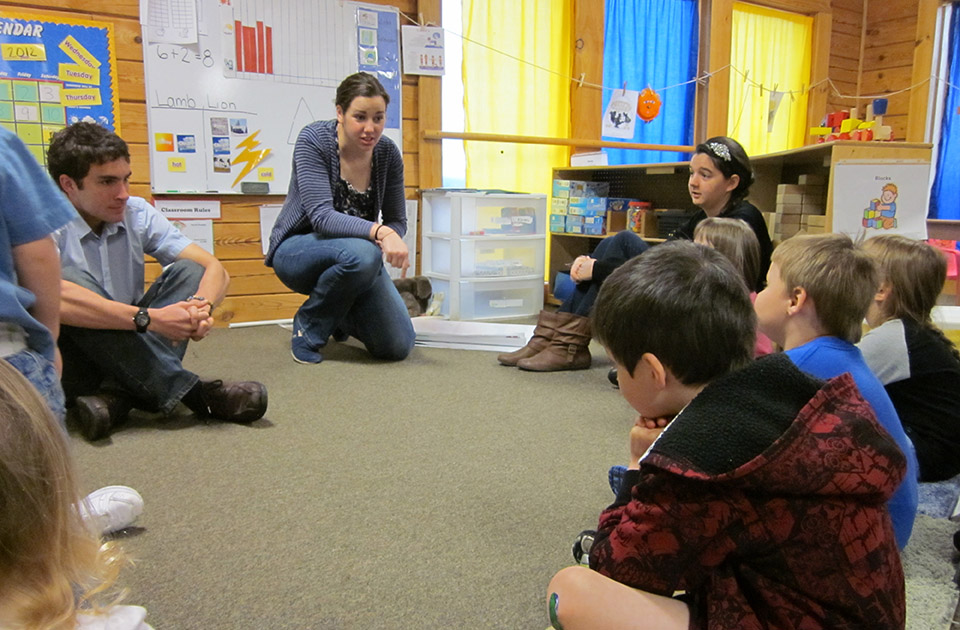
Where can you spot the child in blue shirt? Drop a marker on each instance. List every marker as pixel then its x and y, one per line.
pixel 819 288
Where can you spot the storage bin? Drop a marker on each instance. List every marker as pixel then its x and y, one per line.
pixel 558 222
pixel 485 299
pixel 483 257
pixel 480 214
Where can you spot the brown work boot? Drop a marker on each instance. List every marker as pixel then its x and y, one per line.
pixel 542 335
pixel 95 415
pixel 243 401
pixel 568 350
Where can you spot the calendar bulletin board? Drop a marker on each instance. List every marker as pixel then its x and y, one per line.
pixel 53 73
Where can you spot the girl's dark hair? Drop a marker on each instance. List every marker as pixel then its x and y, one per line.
pixel 730 158
pixel 359 84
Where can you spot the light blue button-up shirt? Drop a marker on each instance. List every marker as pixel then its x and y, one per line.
pixel 115 256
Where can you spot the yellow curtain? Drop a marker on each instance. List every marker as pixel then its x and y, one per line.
pixel 773 48
pixel 505 96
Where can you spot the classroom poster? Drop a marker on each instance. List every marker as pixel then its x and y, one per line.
pixel 226 110
pixel 422 50
pixel 53 73
pixel 881 198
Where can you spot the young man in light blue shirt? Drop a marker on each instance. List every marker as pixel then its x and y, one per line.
pixel 122 347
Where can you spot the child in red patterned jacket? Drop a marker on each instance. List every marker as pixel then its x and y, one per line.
pixel 763 498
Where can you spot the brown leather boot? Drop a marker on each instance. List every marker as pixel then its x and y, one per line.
pixel 568 350
pixel 542 335
pixel 95 415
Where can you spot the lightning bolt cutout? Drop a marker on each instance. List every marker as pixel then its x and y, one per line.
pixel 249 156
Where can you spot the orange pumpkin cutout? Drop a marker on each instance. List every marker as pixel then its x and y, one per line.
pixel 648 105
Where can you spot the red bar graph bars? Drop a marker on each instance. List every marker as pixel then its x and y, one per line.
pixel 254 47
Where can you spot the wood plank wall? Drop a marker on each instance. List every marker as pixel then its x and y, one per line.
pixel 255 293
pixel 888 56
pixel 845 51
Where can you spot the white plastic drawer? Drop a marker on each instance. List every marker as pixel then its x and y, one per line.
pixel 483 214
pixel 489 299
pixel 507 257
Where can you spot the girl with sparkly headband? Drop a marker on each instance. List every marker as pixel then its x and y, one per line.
pixel 720 176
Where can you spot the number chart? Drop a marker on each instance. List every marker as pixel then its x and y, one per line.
pixel 53 74
pixel 227 108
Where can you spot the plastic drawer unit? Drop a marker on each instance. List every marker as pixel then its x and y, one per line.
pixel 483 257
pixel 490 299
pixel 485 251
pixel 483 214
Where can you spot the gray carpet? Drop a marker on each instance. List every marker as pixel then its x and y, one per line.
pixel 443 491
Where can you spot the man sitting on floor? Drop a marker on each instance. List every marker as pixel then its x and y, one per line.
pixel 121 347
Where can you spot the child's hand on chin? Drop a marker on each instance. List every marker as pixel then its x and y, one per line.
pixel 642 435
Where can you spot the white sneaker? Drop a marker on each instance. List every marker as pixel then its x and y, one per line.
pixel 111 509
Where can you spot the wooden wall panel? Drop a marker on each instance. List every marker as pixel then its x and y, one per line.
pixel 845 53
pixel 888 55
pixel 255 292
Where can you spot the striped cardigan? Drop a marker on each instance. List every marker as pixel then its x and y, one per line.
pixel 316 169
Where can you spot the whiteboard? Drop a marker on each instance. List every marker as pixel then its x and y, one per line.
pixel 259 71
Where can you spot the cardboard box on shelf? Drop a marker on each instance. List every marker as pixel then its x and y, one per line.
pixel 558 223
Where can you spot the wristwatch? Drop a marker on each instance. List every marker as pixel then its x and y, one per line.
pixel 141 320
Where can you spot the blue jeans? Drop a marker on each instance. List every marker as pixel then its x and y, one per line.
pixel 145 366
pixel 43 376
pixel 624 245
pixel 350 293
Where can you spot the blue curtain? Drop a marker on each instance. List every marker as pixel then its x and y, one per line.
pixel 655 43
pixel 945 195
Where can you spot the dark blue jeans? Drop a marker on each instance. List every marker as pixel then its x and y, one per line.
pixel 349 293
pixel 623 246
pixel 145 366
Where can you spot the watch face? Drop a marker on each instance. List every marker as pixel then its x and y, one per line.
pixel 142 319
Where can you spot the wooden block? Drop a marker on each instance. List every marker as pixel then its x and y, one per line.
pixel 813 208
pixel 814 220
pixel 787 231
pixel 789 198
pixel 789 188
pixel 789 208
pixel 808 179
pixel 787 219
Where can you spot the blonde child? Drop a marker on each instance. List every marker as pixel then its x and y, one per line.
pixel 53 571
pixel 916 363
pixel 819 288
pixel 736 240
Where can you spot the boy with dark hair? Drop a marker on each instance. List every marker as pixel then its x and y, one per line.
pixel 122 347
pixel 762 498
pixel 819 288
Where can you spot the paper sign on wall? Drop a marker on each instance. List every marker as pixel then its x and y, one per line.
pixel 200 231
pixel 188 209
pixel 268 216
pixel 881 198
pixel 621 115
pixel 422 50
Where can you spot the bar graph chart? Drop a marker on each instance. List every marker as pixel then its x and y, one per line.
pixel 286 41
